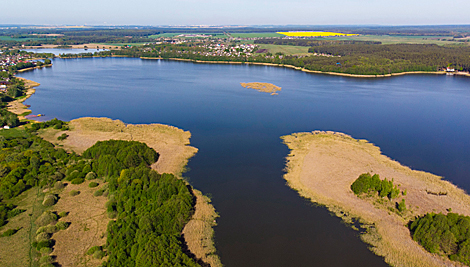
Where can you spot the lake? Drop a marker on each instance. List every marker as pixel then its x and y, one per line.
pixel 422 121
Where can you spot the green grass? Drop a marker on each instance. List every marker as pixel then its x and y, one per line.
pixel 391 39
pixel 256 34
pixel 286 49
pixel 8 38
pixel 119 44
pixel 14 132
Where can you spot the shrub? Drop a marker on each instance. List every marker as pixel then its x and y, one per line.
pixel 46 259
pixel 46 250
pixel 47 265
pixel 93 249
pixel 91 176
pixel 62 225
pixel 98 192
pixel 93 184
pixel 43 236
pixel 62 137
pixel 49 229
pixel 63 214
pixel 99 254
pixel 9 232
pixel 49 200
pixel 44 244
pixel 78 181
pixel 46 218
pixel 74 193
pixel 401 206
pixel 59 185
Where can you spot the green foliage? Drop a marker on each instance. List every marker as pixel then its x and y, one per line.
pixel 49 200
pixel 63 214
pixel 93 249
pixel 49 229
pixel 78 181
pixel 62 137
pixel 9 232
pixel 42 236
pixel 401 206
pixel 45 251
pixel 44 244
pixel 62 225
pixel 8 118
pixel 366 183
pixel 93 184
pixel 74 192
pixel 98 193
pixel 59 185
pixel 46 259
pixel 46 218
pixel 444 234
pixel 91 176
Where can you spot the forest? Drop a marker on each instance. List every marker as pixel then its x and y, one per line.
pixel 150 209
pixel 447 235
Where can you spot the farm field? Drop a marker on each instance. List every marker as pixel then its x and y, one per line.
pixel 256 34
pixel 175 34
pixel 314 34
pixel 389 39
pixel 286 49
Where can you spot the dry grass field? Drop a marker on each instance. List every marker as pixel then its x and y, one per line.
pixel 322 166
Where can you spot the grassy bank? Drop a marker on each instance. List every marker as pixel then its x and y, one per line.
pixel 322 166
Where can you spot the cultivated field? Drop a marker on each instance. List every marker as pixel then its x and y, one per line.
pixel 256 35
pixel 314 34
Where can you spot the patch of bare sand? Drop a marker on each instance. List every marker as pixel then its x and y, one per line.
pixel 323 165
pixel 262 87
pixel 89 221
pixel 17 106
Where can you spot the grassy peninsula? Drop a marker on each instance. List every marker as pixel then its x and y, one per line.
pixel 322 166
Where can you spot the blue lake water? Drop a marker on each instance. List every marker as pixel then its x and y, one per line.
pixel 422 121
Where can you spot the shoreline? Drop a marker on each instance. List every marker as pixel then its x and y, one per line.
pixel 464 74
pixel 321 166
pixel 17 107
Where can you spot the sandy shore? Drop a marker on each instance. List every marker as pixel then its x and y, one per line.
pixel 322 166
pixel 17 106
pixel 172 144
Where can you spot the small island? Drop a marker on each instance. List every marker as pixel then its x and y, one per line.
pixel 263 87
pixel 322 166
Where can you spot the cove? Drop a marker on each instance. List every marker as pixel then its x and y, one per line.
pixel 419 120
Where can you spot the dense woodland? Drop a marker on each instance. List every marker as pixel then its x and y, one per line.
pixel 447 235
pixel 342 57
pixel 150 209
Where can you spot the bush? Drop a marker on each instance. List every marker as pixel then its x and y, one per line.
pixel 366 183
pixel 49 200
pixel 59 185
pixel 401 206
pixel 93 249
pixel 78 181
pixel 63 214
pixel 49 229
pixel 91 176
pixel 62 225
pixel 98 192
pixel 43 236
pixel 9 232
pixel 46 251
pixel 99 254
pixel 44 244
pixel 62 137
pixel 46 218
pixel 93 184
pixel 47 265
pixel 46 259
pixel 74 193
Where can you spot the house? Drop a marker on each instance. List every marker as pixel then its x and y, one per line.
pixel 449 69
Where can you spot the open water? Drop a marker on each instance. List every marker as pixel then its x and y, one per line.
pixel 422 121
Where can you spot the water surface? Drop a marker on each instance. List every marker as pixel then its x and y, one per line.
pixel 422 121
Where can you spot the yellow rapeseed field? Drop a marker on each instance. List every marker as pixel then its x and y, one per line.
pixel 315 34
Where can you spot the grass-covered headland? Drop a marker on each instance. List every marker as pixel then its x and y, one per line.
pixel 147 210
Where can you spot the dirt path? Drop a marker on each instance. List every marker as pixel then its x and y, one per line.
pixel 323 165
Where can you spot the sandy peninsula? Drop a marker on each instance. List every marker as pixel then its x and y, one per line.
pixel 322 166
pixel 172 144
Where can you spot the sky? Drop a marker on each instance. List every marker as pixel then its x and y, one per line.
pixel 235 12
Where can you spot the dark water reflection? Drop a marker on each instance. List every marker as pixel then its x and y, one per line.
pixel 421 121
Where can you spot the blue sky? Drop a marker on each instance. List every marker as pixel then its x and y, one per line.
pixel 236 12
